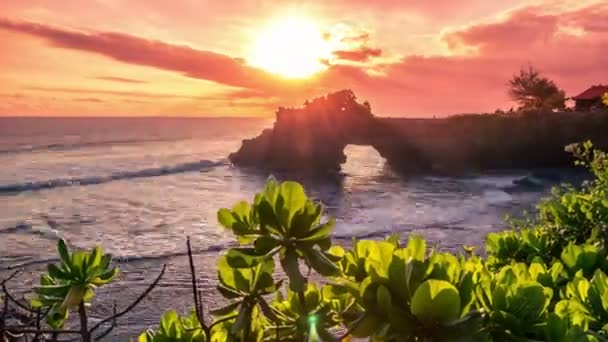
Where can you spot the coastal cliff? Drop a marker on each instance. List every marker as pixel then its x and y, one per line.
pixel 313 138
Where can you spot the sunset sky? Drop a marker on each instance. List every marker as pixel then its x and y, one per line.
pixel 244 58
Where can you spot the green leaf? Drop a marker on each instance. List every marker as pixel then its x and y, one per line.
pixel 290 265
pixel 291 199
pixel 320 262
pixel 56 317
pixel 244 257
pixel 64 253
pixel 79 262
pixel 168 322
pixel 436 301
pixel 262 277
pixel 106 277
pixel 225 218
pixel 242 319
pixel 385 300
pixel 417 247
pixel 228 293
pixel 74 296
pixel 234 278
pixel 321 232
pixel 367 326
pixel 268 218
pixel 55 272
pixel 393 239
pixel 53 290
pixel 528 300
pixel 226 310
pixel 265 244
pixel 268 311
pixel 95 258
pixel 305 219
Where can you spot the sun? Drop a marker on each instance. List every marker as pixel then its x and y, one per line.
pixel 292 47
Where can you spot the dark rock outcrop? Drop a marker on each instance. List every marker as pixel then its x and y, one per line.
pixel 313 138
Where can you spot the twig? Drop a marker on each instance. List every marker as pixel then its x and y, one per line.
pixel 137 301
pixel 2 317
pixel 197 304
pixel 9 296
pixel 84 323
pixel 38 318
pixel 13 275
pixel 109 330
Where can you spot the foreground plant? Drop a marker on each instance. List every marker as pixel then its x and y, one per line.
pixel 72 284
pixel 570 215
pixel 66 287
pixel 544 280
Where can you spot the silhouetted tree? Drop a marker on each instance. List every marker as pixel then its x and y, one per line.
pixel 533 92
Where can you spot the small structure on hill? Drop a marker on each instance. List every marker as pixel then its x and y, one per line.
pixel 591 99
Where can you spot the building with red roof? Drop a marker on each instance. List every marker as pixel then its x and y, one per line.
pixel 591 99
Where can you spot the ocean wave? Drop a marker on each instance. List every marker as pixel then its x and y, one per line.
pixel 75 146
pixel 21 262
pixel 120 175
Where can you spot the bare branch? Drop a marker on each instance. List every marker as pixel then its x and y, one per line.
pixel 197 304
pixel 13 275
pixel 134 304
pixel 14 300
pixel 112 326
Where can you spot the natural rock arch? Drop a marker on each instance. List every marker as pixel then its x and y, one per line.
pixel 313 138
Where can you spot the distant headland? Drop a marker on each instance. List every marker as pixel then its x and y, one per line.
pixel 313 138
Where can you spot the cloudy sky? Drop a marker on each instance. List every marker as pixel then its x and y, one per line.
pixel 245 57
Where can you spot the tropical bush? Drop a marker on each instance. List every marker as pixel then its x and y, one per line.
pixel 543 280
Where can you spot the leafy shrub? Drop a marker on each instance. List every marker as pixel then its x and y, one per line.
pixel 543 280
pixel 570 215
pixel 72 284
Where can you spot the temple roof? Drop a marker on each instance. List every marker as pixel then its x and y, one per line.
pixel 592 93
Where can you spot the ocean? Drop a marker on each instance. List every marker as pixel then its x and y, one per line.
pixel 140 186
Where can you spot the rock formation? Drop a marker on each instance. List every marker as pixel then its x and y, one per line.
pixel 313 138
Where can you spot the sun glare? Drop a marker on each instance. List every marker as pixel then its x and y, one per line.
pixel 292 47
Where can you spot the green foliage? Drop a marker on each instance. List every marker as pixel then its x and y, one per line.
pixel 281 221
pixel 73 282
pixel 173 328
pixel 570 215
pixel 544 280
pixel 245 288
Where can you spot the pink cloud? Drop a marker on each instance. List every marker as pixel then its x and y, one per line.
pixel 569 46
pixel 566 46
pixel 119 79
pixel 135 50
